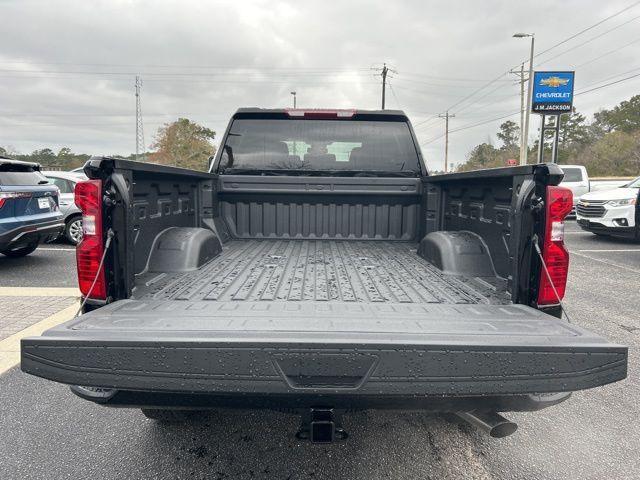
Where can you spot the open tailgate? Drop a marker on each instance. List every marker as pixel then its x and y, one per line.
pixel 320 347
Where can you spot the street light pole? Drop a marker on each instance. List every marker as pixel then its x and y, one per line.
pixel 523 158
pixel 523 140
pixel 529 95
pixel 294 98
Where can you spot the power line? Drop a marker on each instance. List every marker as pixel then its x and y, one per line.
pixel 423 123
pixel 607 84
pixel 480 98
pixel 393 92
pixel 468 126
pixel 477 91
pixel 254 74
pixel 448 79
pixel 467 106
pixel 439 94
pixel 588 41
pixel 610 77
pixel 442 85
pixel 128 114
pixel 199 66
pixel 81 124
pixel 588 28
pixel 610 52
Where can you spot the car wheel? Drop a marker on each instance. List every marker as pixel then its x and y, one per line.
pixel 172 416
pixel 73 230
pixel 20 252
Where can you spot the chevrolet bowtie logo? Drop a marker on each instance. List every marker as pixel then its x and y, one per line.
pixel 586 204
pixel 554 82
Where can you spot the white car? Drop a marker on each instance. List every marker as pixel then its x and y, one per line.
pixel 575 179
pixel 66 183
pixel 611 212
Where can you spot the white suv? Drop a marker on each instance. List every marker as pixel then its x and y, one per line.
pixel 611 212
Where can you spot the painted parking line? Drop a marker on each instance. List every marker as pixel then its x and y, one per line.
pixel 604 250
pixel 611 264
pixel 39 292
pixel 10 346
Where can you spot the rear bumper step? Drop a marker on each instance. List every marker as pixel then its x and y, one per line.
pixel 176 354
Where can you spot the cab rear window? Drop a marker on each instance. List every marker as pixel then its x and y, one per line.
pixel 319 145
pixel 572 175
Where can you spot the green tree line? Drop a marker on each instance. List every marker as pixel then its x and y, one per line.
pixel 609 145
pixel 182 143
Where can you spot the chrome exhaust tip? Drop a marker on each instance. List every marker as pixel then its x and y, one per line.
pixel 492 423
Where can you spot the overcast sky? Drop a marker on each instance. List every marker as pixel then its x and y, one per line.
pixel 67 68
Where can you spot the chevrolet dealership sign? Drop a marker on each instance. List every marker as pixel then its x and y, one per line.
pixel 552 92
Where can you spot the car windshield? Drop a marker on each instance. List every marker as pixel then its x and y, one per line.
pixel 319 145
pixel 634 184
pixel 572 174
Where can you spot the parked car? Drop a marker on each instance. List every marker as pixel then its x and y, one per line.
pixel 319 269
pixel 611 212
pixel 66 183
pixel 575 179
pixel 29 210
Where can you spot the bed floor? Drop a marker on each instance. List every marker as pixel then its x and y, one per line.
pixel 318 270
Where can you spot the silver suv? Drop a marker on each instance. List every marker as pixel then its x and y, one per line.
pixel 66 183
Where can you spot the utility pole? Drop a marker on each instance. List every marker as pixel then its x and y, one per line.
pixel 523 158
pixel 446 117
pixel 294 98
pixel 385 70
pixel 523 144
pixel 140 146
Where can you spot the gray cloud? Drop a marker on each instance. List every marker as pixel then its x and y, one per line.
pixel 67 68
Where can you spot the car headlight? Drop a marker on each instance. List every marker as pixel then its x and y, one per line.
pixel 622 203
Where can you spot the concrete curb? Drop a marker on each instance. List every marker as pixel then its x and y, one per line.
pixel 39 292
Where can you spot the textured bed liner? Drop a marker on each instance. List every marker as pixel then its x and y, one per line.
pixel 319 270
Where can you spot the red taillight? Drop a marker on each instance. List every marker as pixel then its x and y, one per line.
pixel 88 198
pixel 558 204
pixel 4 196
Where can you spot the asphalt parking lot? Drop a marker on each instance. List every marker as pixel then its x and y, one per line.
pixel 47 432
pixel 52 265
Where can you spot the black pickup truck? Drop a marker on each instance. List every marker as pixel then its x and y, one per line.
pixel 319 269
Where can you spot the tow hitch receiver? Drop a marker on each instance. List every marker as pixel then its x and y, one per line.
pixel 321 425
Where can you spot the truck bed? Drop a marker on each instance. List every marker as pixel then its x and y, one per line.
pixel 321 271
pixel 318 296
